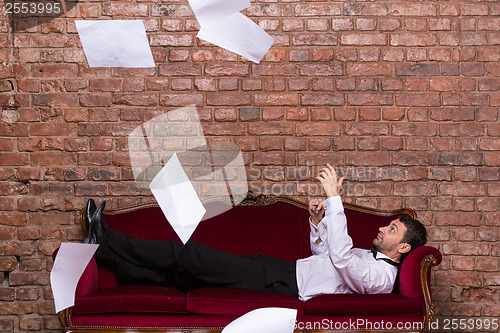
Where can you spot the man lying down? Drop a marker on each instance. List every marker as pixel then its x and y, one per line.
pixel 334 268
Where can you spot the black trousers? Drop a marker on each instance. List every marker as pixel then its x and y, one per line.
pixel 196 265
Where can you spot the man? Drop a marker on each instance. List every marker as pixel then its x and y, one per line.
pixel 334 267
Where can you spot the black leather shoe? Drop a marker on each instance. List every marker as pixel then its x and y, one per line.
pixel 100 231
pixel 89 211
pixel 87 216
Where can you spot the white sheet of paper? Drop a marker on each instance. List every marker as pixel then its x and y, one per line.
pixel 70 263
pixel 177 198
pixel 275 320
pixel 238 34
pixel 115 43
pixel 208 12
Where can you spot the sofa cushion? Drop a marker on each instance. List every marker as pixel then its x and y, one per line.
pixel 132 298
pixel 236 302
pixel 355 304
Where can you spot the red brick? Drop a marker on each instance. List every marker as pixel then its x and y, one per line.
pixel 413 9
pixel 319 114
pixel 358 39
pixel 320 158
pixel 276 54
pixel 488 54
pixel 13 218
pixel 317 129
pixel 322 99
pixel 319 144
pixel 439 24
pixel 227 70
pixel 270 129
pixel 462 189
pixel 274 70
pixel 389 24
pixel 391 84
pixel 28 85
pixel 474 9
pixel 365 9
pixel 276 99
pixel 136 99
pixel 52 129
pixel 416 24
pixel 270 143
pixel 28 278
pixel 346 55
pixel 345 84
pixel 366 24
pixel 367 99
pixel 492 159
pixel 441 84
pixel 419 69
pixel 314 40
pixel 369 114
pixel 182 99
pixel 418 99
pixel 321 70
pixel 368 144
pixel 367 84
pixel 369 69
pixel 95 100
pixel 181 69
pixel 449 9
pixel 270 10
pixel 56 99
pixel 125 9
pixel 368 158
pixel 413 39
pixel 52 158
pixel 418 114
pixel 317 9
pixel 56 70
pixel 342 24
pixel 105 85
pixel 392 143
pixel 224 129
pixel 322 54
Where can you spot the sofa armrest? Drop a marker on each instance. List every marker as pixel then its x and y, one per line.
pixel 415 275
pixel 89 281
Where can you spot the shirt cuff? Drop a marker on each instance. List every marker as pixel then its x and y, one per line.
pixel 319 230
pixel 314 228
pixel 333 205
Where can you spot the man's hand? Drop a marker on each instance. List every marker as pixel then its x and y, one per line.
pixel 316 210
pixel 328 178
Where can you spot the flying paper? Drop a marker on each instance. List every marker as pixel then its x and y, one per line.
pixel 70 263
pixel 177 198
pixel 238 34
pixel 223 25
pixel 212 11
pixel 115 43
pixel 275 320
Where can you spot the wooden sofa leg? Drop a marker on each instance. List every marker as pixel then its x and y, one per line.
pixel 427 263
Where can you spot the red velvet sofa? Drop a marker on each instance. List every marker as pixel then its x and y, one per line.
pixel 275 226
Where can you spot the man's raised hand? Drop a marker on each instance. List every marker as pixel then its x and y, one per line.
pixel 328 178
pixel 316 210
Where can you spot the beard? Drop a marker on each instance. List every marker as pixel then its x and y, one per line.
pixel 381 247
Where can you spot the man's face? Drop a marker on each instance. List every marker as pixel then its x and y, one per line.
pixel 389 238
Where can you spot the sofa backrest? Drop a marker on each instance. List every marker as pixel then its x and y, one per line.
pixel 278 228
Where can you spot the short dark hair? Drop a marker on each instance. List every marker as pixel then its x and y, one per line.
pixel 416 234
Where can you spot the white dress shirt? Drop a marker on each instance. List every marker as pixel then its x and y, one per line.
pixel 335 266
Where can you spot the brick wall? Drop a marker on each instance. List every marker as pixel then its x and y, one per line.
pixel 402 96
